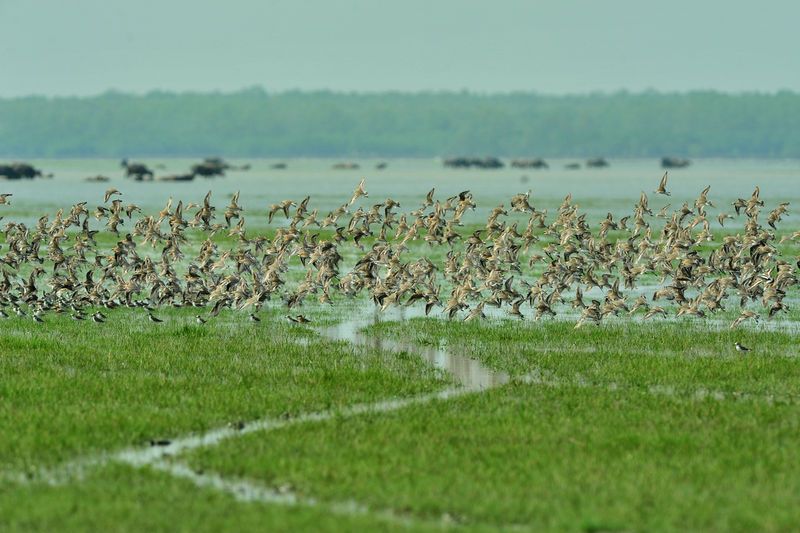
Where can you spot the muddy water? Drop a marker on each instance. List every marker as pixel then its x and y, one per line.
pixel 471 374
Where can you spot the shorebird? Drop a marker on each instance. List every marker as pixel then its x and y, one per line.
pixel 109 193
pixel 298 319
pixel 153 318
pixel 199 319
pixel 558 255
pixel 741 347
pixel 359 192
pixel 662 186
pixel 746 315
pixel 4 199
pixel 98 318
pixel 656 310
pixel 254 318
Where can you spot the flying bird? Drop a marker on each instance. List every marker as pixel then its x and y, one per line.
pixel 109 193
pixel 662 186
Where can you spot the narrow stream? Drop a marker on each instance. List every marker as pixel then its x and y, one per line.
pixel 469 373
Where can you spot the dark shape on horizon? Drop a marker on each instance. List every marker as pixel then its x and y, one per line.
pixel 530 163
pixel 15 171
pixel 674 162
pixel 597 162
pixel 279 166
pixel 177 177
pixel 381 165
pixel 477 162
pixel 572 166
pixel 137 171
pixel 97 179
pixel 345 165
pixel 211 167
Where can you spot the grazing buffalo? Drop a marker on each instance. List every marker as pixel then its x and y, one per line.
pixel 16 171
pixel 597 162
pixel 209 169
pixel 674 162
pixel 215 166
pixel 345 165
pixel 477 162
pixel 530 163
pixel 137 171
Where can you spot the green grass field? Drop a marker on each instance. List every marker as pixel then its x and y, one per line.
pixel 362 421
pixel 622 427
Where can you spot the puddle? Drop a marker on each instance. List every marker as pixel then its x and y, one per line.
pixel 470 373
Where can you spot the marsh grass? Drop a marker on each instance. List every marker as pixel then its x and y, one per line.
pixel 75 388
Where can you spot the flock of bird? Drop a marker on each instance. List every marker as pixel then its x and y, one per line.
pixel 521 261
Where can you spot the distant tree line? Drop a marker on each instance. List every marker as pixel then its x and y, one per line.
pixel 254 123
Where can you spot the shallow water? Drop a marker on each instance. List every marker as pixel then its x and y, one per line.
pixel 613 189
pixel 470 373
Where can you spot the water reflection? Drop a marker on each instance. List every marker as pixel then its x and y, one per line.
pixel 469 373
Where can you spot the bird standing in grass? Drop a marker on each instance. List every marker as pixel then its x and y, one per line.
pixel 200 320
pixel 153 318
pixel 741 348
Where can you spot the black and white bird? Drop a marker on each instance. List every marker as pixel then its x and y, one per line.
pixel 254 318
pixel 200 320
pixel 98 317
pixel 153 318
pixel 741 347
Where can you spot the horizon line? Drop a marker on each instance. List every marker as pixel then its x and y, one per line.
pixel 260 89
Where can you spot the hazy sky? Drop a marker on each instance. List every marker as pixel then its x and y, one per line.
pixel 67 47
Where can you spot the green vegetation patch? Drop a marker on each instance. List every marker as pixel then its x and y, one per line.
pixel 682 357
pixel 70 388
pixel 119 498
pixel 549 458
